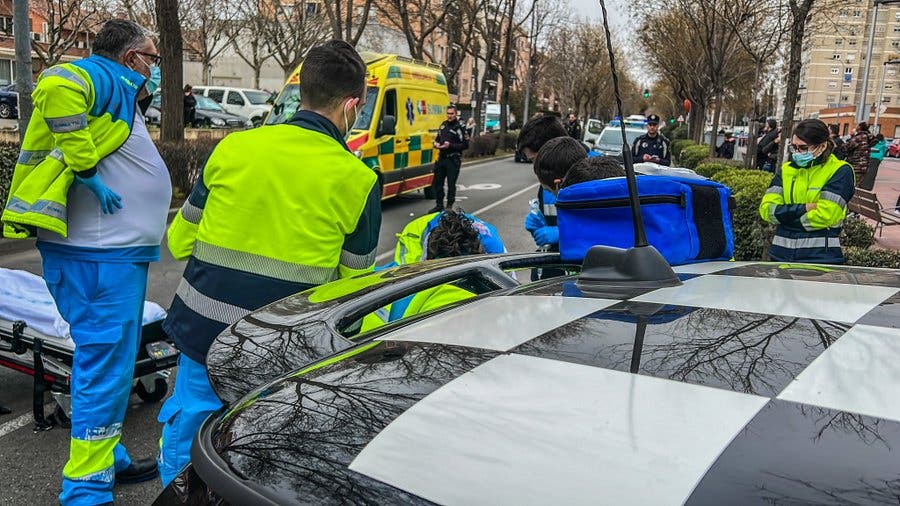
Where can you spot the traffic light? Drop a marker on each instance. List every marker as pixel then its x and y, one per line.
pixel 646 93
pixel 671 121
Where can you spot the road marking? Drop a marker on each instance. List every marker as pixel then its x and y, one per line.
pixel 388 254
pixel 17 423
pixel 478 186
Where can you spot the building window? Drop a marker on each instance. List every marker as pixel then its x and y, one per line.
pixel 851 42
pixel 835 71
pixel 838 42
pixel 895 43
pixel 897 16
pixel 886 100
pixel 836 56
pixel 842 13
pixel 856 14
pixel 312 8
pixel 891 72
pixel 829 99
pixel 6 72
pixel 832 84
pixel 845 98
pixel 888 86
pixel 6 25
pixel 848 70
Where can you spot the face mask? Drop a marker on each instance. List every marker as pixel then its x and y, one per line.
pixel 153 81
pixel 347 121
pixel 803 159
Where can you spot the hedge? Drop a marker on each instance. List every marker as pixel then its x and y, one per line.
pixel 678 145
pixel 711 166
pixel 9 152
pixel 752 236
pixel 856 233
pixel 185 160
pixel 886 258
pixel 692 155
pixel 482 145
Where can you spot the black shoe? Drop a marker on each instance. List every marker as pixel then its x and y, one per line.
pixel 138 471
pixel 436 209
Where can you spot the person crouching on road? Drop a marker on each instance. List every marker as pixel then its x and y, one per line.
pixel 807 200
pixel 451 141
pixel 90 184
pixel 276 211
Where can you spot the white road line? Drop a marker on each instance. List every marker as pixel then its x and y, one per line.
pixel 390 253
pixel 17 423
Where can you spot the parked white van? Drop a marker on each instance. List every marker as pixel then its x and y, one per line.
pixel 249 103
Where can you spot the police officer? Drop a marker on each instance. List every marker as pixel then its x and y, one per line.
pixel 573 128
pixel 652 146
pixel 451 141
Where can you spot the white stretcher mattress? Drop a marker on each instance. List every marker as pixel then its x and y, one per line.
pixel 24 296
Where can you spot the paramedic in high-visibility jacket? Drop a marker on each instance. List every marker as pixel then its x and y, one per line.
pixel 92 187
pixel 277 210
pixel 807 199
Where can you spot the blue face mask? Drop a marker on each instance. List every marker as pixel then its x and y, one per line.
pixel 802 159
pixel 153 81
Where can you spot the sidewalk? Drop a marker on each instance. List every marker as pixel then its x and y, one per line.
pixel 887 187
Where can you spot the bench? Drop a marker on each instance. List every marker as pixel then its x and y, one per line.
pixel 865 203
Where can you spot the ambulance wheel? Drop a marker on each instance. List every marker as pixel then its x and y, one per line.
pixel 160 389
pixel 61 418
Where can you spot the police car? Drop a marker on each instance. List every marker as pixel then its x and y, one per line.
pixel 610 141
pixel 742 383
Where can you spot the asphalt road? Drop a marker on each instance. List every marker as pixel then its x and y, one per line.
pixel 31 463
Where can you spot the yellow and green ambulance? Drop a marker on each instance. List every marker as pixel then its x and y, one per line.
pixel 394 134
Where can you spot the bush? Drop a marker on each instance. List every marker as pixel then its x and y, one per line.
pixel 856 233
pixel 692 155
pixel 711 166
pixel 482 145
pixel 678 133
pixel 678 145
pixel 9 152
pixel 885 258
pixel 752 236
pixel 507 141
pixel 185 160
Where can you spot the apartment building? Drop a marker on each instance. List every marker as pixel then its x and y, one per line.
pixel 834 61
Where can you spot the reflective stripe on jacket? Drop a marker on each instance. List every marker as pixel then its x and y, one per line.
pixel 808 236
pixel 83 111
pixel 277 210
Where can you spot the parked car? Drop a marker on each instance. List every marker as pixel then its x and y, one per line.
pixel 745 383
pixel 208 114
pixel 249 103
pixel 592 130
pixel 894 148
pixel 9 102
pixel 610 141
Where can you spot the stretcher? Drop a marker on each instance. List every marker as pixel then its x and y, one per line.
pixel 35 340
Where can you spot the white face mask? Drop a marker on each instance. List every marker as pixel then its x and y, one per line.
pixel 347 123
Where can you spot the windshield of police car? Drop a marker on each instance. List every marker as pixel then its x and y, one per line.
pixel 613 137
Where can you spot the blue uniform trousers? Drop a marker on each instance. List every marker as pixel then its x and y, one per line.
pixel 192 401
pixel 103 304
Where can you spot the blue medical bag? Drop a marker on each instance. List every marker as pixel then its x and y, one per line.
pixel 687 220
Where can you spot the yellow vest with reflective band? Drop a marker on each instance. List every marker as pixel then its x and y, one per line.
pixel 267 213
pixel 83 111
pixel 804 186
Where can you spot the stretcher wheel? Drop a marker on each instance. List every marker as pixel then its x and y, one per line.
pixel 159 391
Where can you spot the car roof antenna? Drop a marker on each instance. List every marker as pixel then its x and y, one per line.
pixel 624 273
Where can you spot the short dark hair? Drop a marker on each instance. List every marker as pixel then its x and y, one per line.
pixel 118 36
pixel 835 129
pixel 592 169
pixel 556 157
pixel 537 131
pixel 453 236
pixel 772 123
pixel 451 106
pixel 330 73
pixel 879 137
pixel 863 126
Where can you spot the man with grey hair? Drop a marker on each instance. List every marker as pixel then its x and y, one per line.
pixel 93 189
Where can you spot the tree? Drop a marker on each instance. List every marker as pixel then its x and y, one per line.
pixel 509 50
pixel 208 30
pixel 341 17
pixel 246 39
pixel 170 48
pixel 460 30
pixel 291 28
pixel 417 20
pixel 68 22
pixel 799 17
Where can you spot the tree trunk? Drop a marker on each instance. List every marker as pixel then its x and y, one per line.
pixel 799 12
pixel 207 70
pixel 717 116
pixel 170 48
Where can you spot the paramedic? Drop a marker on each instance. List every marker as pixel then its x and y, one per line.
pixel 412 242
pixel 807 199
pixel 99 217
pixel 653 146
pixel 541 222
pixel 260 226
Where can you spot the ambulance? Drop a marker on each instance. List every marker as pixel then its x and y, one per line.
pixel 406 102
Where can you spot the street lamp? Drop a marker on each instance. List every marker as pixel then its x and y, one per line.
pixel 892 61
pixel 862 110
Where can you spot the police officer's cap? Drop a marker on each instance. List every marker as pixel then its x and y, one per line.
pixel 653 119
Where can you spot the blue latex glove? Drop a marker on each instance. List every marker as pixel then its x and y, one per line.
pixel 534 221
pixel 109 200
pixel 546 235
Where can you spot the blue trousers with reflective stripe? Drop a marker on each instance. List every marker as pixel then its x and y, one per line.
pixel 192 401
pixel 103 303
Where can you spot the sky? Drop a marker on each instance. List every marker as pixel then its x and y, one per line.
pixel 618 16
